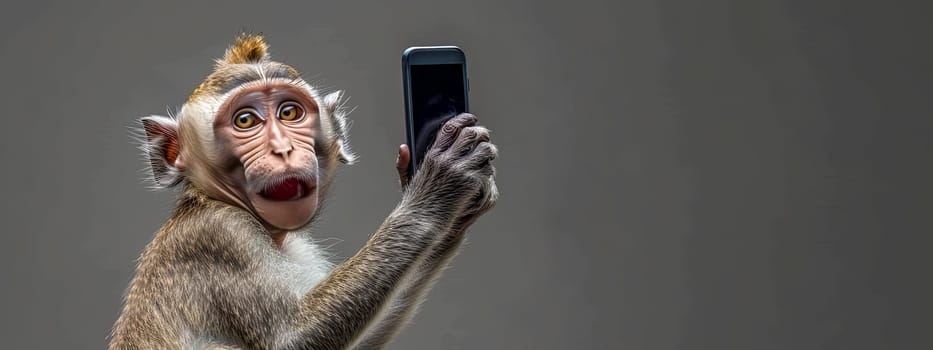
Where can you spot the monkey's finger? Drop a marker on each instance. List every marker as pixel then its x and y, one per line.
pixel 401 165
pixel 448 133
pixel 482 157
pixel 468 139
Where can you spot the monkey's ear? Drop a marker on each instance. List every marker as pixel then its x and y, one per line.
pixel 162 150
pixel 333 106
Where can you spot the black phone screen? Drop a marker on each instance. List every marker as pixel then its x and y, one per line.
pixel 437 94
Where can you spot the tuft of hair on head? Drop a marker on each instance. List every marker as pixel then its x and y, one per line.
pixel 248 48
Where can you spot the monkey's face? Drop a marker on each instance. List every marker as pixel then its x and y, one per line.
pixel 269 130
pixel 253 134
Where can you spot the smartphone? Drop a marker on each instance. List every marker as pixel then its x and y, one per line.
pixel 434 79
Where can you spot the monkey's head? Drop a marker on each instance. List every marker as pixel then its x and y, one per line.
pixel 255 135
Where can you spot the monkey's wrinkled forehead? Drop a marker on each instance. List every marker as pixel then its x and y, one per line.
pixel 230 76
pixel 245 61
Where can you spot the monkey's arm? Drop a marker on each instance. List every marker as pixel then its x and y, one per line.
pixel 404 304
pixel 340 308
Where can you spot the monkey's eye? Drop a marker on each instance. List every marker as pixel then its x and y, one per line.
pixel 245 120
pixel 290 111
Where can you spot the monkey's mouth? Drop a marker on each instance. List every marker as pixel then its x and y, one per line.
pixel 289 190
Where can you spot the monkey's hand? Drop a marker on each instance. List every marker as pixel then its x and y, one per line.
pixel 457 171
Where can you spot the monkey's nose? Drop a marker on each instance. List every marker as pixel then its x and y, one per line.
pixel 282 146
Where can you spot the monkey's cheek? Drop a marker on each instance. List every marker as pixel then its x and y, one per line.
pixel 286 215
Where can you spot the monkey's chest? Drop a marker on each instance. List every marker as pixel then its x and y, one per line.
pixel 303 265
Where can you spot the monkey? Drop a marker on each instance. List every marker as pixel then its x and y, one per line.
pixel 254 150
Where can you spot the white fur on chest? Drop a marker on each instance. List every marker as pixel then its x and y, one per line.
pixel 305 265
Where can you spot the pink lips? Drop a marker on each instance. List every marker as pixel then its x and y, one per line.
pixel 289 190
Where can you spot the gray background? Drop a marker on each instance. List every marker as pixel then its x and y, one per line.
pixel 674 174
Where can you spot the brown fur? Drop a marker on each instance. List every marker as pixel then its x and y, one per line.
pixel 247 48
